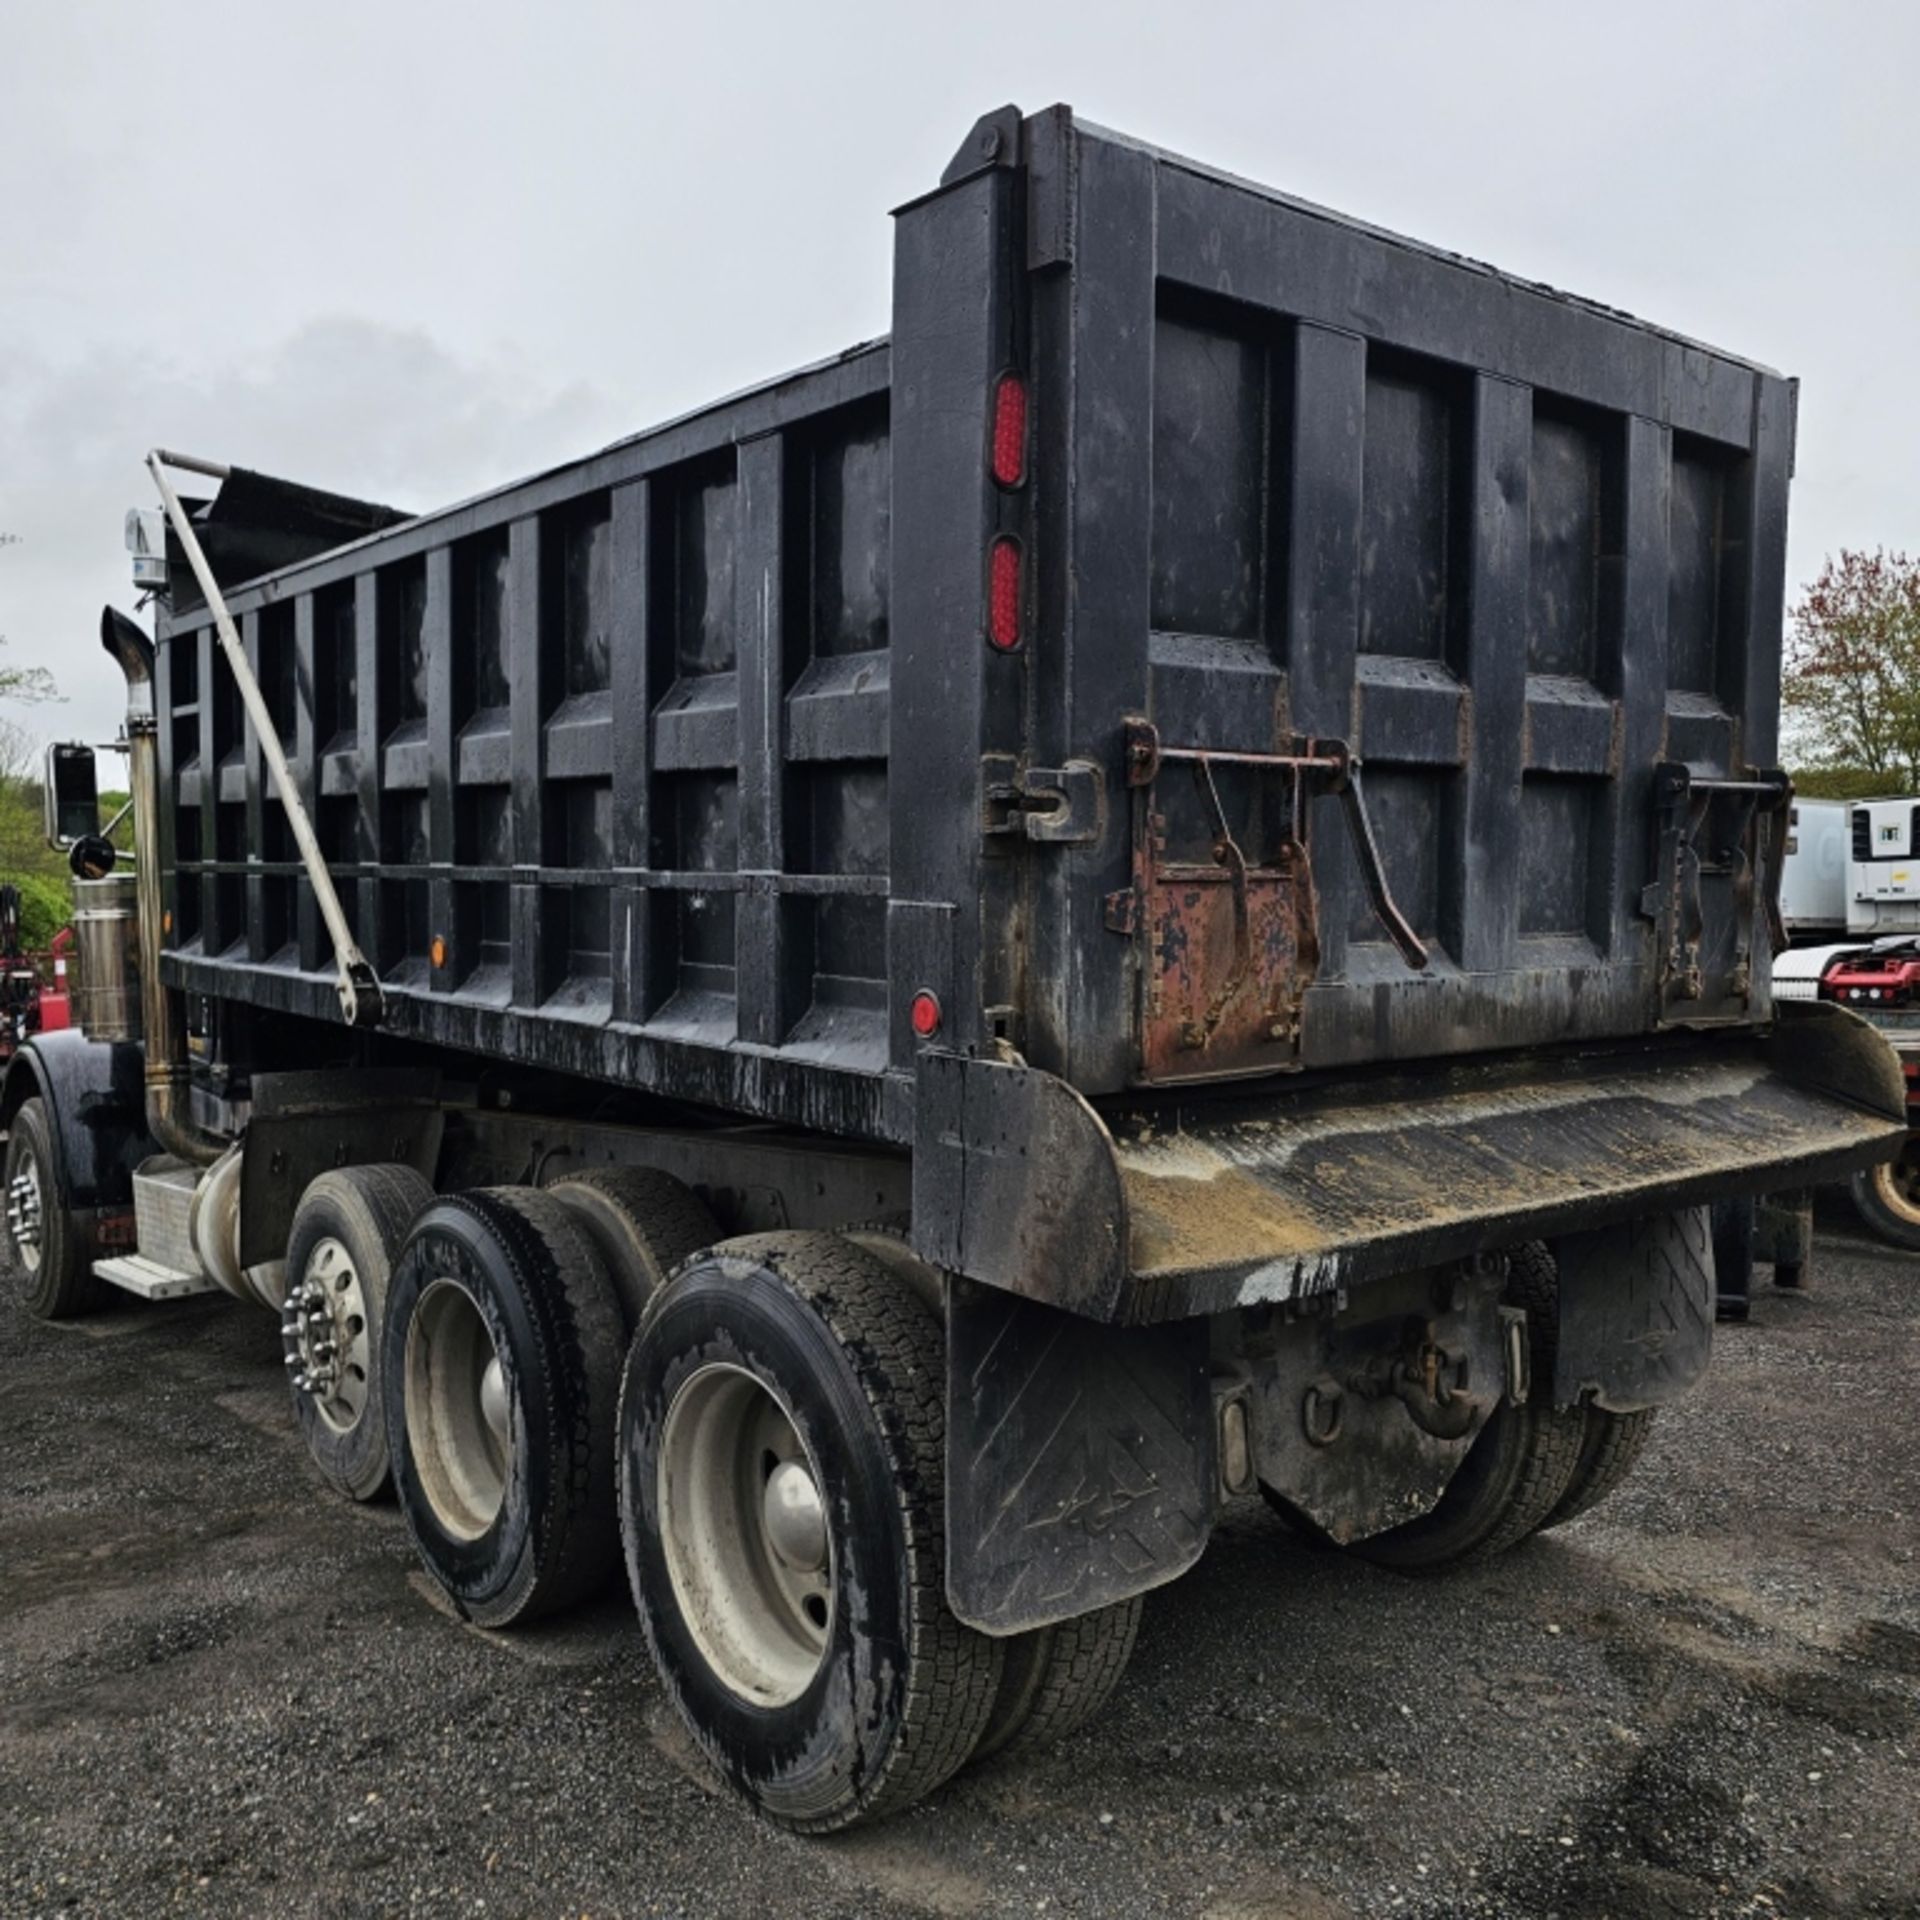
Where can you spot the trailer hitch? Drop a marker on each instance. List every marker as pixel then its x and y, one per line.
pixel 1267 927
pixel 357 984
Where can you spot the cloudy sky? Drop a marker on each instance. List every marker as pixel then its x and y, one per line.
pixel 408 251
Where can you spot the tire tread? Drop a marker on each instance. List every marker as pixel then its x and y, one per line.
pixel 562 1276
pixel 896 1353
pixel 1057 1678
pixel 381 1201
pixel 1611 1450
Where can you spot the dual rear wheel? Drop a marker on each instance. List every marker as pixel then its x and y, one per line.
pixel 768 1450
pixel 1532 1466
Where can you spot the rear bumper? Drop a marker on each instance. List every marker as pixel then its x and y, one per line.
pixel 1227 1200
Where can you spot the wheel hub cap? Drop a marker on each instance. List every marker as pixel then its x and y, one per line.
pixel 795 1521
pixel 325 1332
pixel 1898 1181
pixel 23 1212
pixel 493 1398
pixel 744 1527
pixel 459 1410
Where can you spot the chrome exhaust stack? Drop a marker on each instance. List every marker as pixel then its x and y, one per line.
pixel 168 1117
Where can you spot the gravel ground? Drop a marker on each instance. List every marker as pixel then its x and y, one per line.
pixel 224 1692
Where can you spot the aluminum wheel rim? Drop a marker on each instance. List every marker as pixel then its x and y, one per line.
pixel 325 1322
pixel 1897 1182
pixel 459 1418
pixel 743 1524
pixel 24 1213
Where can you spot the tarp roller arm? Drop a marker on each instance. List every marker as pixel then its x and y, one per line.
pixel 361 1001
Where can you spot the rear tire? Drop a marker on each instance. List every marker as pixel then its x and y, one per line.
pixel 1518 1468
pixel 503 1345
pixel 1609 1452
pixel 644 1223
pixel 782 1460
pixel 347 1234
pixel 1055 1679
pixel 46 1245
pixel 1887 1197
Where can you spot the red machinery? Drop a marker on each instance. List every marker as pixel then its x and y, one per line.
pixel 1882 983
pixel 28 1003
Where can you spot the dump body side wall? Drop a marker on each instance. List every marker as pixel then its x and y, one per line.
pixel 598 763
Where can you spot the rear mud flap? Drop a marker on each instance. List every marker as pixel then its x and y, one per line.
pixel 1080 1459
pixel 1636 1311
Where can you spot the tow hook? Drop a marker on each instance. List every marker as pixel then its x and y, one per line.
pixel 1431 1386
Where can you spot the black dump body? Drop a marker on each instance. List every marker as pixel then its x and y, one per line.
pixel 696 766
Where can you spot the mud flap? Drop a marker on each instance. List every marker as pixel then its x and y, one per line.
pixel 1636 1311
pixel 1080 1458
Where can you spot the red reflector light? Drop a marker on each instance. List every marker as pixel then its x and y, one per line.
pixel 1003 594
pixel 1010 430
pixel 925 1013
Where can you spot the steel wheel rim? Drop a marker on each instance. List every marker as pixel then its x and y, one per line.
pixel 748 1547
pixel 458 1409
pixel 24 1213
pixel 1897 1183
pixel 328 1337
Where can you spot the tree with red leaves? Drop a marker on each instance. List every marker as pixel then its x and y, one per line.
pixel 1852 671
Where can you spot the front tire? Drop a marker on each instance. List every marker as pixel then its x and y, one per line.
pixel 1887 1197
pixel 46 1245
pixel 782 1434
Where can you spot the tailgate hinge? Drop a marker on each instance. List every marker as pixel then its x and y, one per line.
pixel 1061 806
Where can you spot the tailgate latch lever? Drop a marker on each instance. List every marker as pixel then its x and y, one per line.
pixel 1315 766
pixel 1058 806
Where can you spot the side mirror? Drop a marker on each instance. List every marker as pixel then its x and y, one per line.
pixel 92 857
pixel 72 795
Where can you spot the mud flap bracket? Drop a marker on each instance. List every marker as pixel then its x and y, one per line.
pixel 1080 1458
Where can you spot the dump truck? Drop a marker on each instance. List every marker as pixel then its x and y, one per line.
pixel 1156 889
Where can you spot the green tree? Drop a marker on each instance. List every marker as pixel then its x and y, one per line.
pixel 1851 685
pixel 25 857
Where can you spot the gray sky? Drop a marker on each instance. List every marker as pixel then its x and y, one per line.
pixel 410 251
